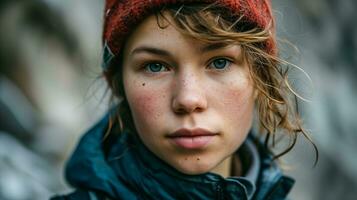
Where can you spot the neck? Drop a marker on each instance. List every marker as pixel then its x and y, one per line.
pixel 224 168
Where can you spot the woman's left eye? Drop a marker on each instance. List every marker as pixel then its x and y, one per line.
pixel 220 63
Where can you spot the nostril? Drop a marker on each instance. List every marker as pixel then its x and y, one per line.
pixel 184 106
pixel 180 111
pixel 186 111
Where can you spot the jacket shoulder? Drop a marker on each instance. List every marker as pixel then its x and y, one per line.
pixel 281 189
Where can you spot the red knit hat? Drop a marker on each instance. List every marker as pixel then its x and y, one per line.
pixel 121 16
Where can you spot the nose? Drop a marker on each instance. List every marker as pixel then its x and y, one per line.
pixel 189 95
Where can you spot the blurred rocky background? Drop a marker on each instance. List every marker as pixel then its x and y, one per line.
pixel 51 92
pixel 325 32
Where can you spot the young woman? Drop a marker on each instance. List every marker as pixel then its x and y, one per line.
pixel 189 77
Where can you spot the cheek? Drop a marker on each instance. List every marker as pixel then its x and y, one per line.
pixel 145 105
pixel 238 100
pixel 237 106
pixel 141 103
pixel 241 102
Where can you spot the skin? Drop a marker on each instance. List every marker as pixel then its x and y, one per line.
pixel 190 92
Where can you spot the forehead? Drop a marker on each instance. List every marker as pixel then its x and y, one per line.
pixel 156 31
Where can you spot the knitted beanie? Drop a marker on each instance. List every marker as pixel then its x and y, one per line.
pixel 122 16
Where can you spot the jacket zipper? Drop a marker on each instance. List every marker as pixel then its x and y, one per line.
pixel 219 192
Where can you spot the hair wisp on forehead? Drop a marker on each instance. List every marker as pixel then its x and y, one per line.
pixel 206 23
pixel 277 104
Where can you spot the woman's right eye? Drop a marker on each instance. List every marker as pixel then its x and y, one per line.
pixel 155 67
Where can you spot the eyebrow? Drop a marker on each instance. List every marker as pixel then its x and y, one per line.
pixel 162 52
pixel 212 47
pixel 151 50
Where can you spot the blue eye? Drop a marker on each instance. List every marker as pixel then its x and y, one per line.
pixel 220 63
pixel 155 67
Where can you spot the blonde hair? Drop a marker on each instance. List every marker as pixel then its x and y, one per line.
pixel 276 101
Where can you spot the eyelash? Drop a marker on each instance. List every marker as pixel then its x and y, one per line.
pixel 230 62
pixel 146 65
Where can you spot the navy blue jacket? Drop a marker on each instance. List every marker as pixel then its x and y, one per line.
pixel 130 171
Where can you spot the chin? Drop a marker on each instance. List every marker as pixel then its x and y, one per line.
pixel 194 168
pixel 193 171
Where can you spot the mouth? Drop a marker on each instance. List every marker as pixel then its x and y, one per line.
pixel 196 138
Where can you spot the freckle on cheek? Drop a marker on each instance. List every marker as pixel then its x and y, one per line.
pixel 143 104
pixel 143 84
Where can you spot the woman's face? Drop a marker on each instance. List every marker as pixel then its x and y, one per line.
pixel 191 102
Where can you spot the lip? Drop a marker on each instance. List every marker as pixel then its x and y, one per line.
pixel 196 138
